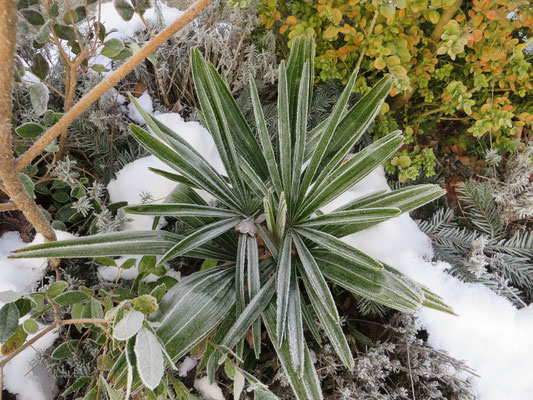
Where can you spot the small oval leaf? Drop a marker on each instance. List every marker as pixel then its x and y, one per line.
pixel 150 360
pixel 30 326
pixel 71 297
pixel 9 321
pixel 128 326
pixel 56 288
pixel 65 349
pixel 29 130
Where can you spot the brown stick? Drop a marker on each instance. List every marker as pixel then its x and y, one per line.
pixel 8 171
pixel 70 90
pixel 50 328
pixel 8 207
pixel 107 83
pixel 446 17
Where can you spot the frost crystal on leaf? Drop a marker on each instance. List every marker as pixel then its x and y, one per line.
pixel 478 259
pixel 492 158
pixel 83 206
pixel 63 171
pixel 96 190
pixel 146 197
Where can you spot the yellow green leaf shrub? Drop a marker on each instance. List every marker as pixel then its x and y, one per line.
pixel 450 59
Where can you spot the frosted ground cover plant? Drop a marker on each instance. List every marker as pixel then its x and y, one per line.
pixel 272 242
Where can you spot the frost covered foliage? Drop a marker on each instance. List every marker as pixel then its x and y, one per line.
pixel 222 34
pixel 399 366
pixel 325 95
pixel 514 192
pixel 479 246
pixel 100 136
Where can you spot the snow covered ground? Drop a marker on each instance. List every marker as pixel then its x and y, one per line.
pixel 489 333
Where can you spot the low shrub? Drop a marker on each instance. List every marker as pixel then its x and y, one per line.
pixel 451 60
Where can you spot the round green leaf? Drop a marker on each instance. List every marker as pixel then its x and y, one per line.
pixel 71 297
pixel 112 48
pixel 64 32
pixel 33 17
pixel 124 9
pixel 24 306
pixel 146 304
pixel 39 66
pixel 59 225
pixel 9 321
pixel 65 349
pixel 56 288
pixel 30 326
pixel 61 197
pixel 98 67
pixel 129 325
pixel 28 184
pixel 29 130
pixel 106 261
pixel 130 262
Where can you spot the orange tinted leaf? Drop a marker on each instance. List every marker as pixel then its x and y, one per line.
pixel 292 20
pixel 331 31
pixel 393 61
pixel 493 15
pixel 14 342
pixel 478 35
pixel 379 63
pixel 337 15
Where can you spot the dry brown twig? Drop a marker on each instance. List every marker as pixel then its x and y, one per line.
pixel 189 15
pixel 8 170
pixel 9 167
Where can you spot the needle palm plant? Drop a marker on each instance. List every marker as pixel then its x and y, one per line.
pixel 277 251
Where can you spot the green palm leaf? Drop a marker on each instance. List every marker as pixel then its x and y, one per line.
pixel 199 237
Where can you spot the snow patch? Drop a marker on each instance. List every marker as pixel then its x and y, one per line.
pixel 209 390
pixel 489 333
pixel 20 275
pixel 145 101
pixel 135 181
pixel 186 365
pixel 126 29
